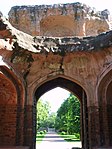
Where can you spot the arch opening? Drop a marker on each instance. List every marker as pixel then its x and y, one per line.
pixel 58 112
pixel 11 108
pixel 75 89
pixel 8 108
pixel 105 109
pixel 109 110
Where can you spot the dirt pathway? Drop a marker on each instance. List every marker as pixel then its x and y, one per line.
pixel 54 141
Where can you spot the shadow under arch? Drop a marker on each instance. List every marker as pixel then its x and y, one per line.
pixel 78 91
pixel 17 83
pixel 104 92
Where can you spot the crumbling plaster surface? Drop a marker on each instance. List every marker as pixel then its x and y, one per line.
pixel 38 58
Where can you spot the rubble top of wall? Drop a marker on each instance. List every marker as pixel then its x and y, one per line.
pixel 71 8
pixel 60 20
pixel 13 39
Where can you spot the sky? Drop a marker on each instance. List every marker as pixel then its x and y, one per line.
pixel 6 5
pixel 57 95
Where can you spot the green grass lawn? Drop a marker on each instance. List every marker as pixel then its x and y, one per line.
pixel 39 137
pixel 69 138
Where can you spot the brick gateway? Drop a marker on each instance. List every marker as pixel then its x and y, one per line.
pixel 31 66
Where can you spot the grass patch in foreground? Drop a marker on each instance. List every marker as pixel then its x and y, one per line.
pixel 39 137
pixel 69 138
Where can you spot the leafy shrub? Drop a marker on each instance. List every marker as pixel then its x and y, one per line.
pixel 38 133
pixel 44 131
pixel 77 135
pixel 41 132
pixel 63 133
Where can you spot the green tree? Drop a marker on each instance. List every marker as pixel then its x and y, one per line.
pixel 68 116
pixel 43 109
pixel 51 120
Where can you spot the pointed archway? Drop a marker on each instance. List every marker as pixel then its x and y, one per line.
pixel 11 108
pixel 74 88
pixel 105 108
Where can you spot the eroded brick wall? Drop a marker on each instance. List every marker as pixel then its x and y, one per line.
pixel 8 109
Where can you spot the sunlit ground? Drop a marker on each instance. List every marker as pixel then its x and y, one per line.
pixel 53 140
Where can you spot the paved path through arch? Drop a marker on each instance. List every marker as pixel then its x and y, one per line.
pixel 52 140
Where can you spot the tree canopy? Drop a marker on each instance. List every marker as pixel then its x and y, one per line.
pixel 43 109
pixel 68 116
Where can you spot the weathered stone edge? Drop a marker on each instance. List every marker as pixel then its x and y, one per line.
pixel 51 44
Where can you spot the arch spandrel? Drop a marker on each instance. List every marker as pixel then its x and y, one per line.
pixel 60 81
pixel 52 77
